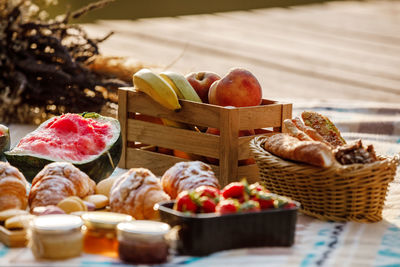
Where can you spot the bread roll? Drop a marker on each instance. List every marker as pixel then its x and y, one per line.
pixel 187 175
pixel 135 193
pixel 13 188
pixel 324 127
pixel 57 181
pixel 289 147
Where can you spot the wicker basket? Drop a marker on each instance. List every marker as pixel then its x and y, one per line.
pixel 341 193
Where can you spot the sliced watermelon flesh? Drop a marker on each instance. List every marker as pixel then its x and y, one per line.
pixel 69 137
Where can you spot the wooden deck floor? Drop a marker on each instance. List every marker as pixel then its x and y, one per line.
pixel 336 50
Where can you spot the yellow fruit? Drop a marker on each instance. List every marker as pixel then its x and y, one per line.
pixel 159 90
pixel 181 86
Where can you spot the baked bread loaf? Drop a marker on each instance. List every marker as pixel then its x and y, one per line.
pixel 187 175
pixel 289 147
pixel 13 188
pixel 59 180
pixel 324 127
pixel 294 131
pixel 136 192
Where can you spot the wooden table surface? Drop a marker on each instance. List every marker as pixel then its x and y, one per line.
pixel 335 50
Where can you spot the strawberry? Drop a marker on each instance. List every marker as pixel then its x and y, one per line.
pixel 281 202
pixel 233 190
pixel 250 206
pixel 227 206
pixel 208 191
pixel 265 200
pixel 185 202
pixel 255 188
pixel 289 205
pixel 207 204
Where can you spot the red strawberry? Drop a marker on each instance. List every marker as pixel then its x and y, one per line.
pixel 208 191
pixel 227 206
pixel 233 190
pixel 265 200
pixel 207 205
pixel 281 202
pixel 250 206
pixel 289 205
pixel 255 188
pixel 185 203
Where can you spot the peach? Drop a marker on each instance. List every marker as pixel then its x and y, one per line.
pixel 239 88
pixel 201 82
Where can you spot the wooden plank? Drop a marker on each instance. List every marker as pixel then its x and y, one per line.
pixel 198 114
pixel 229 145
pixel 122 118
pixel 286 61
pixel 250 172
pixel 173 138
pixel 156 162
pixel 13 238
pixel 286 114
pixel 260 116
pixel 277 82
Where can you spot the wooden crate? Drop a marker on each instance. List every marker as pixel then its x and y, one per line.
pixel 228 147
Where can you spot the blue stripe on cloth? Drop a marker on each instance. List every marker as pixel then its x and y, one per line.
pixel 4 250
pixel 85 263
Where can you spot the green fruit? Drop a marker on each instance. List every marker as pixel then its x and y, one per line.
pixel 4 141
pixel 91 142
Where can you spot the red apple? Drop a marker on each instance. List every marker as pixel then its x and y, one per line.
pixel 239 88
pixel 201 82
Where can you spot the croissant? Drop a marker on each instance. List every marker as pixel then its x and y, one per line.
pixel 135 193
pixel 59 180
pixel 13 188
pixel 187 175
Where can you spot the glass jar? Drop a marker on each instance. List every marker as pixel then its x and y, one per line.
pixel 143 242
pixel 100 235
pixel 56 236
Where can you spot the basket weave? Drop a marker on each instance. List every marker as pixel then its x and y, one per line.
pixel 354 192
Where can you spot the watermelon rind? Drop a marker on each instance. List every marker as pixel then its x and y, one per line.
pixel 4 141
pixel 97 167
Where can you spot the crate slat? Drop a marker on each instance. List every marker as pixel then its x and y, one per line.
pixel 173 138
pixel 255 117
pixel 228 148
pixel 191 112
pixel 122 117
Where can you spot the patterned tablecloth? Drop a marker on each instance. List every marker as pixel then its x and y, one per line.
pixel 317 243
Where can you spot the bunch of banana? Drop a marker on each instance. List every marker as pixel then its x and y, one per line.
pixel 181 86
pixel 152 84
pixel 166 89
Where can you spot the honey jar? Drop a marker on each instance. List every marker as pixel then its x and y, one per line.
pixel 143 242
pixel 55 236
pixel 100 235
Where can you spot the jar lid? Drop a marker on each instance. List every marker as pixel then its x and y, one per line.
pixel 143 227
pixel 56 223
pixel 104 220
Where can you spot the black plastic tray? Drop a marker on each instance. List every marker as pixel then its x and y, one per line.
pixel 202 234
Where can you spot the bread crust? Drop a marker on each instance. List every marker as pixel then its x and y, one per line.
pixel 288 147
pixel 136 192
pixel 13 188
pixel 59 180
pixel 187 175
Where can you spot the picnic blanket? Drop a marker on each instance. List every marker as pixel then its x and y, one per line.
pixel 317 243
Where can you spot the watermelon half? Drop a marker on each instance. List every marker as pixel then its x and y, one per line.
pixel 4 141
pixel 91 142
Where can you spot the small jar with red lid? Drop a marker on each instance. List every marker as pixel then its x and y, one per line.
pixel 143 242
